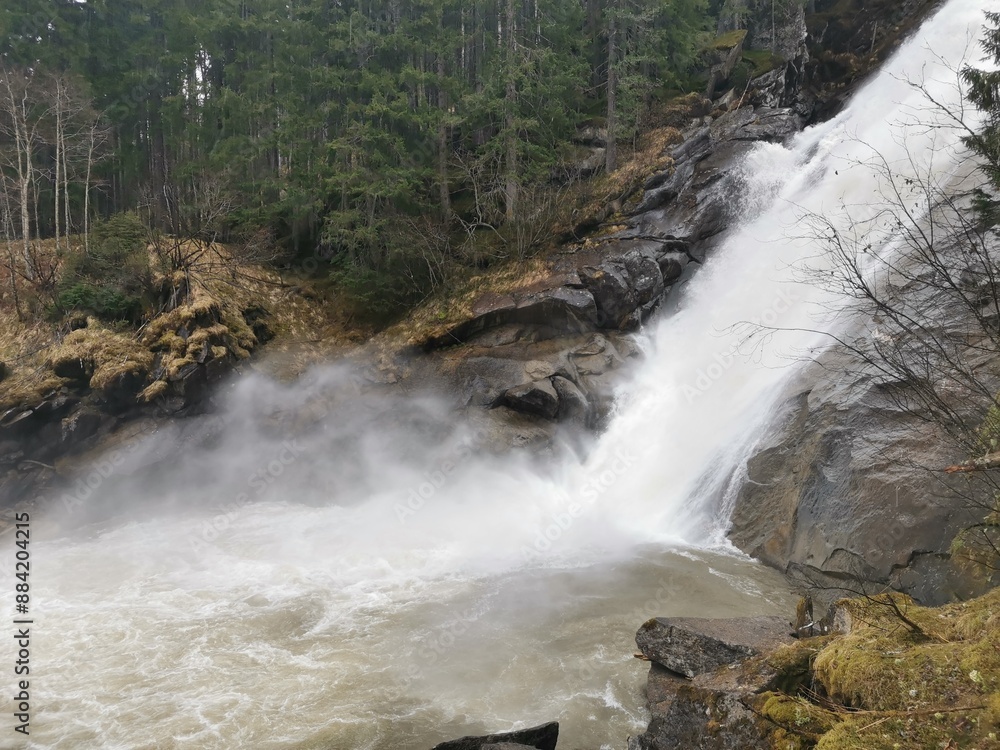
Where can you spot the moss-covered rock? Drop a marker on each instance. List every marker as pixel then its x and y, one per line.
pixel 796 715
pixel 903 678
pixel 101 358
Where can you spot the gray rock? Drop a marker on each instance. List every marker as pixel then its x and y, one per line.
pixel 542 737
pixel 538 399
pixel 591 136
pixel 694 202
pixel 710 712
pixel 691 646
pixel 556 311
pixel 81 425
pixel 843 487
pixel 573 404
pixel 621 285
pixel 722 62
pixel 779 26
pixel 593 162
pixel 672 266
pixel 706 720
pixel 720 708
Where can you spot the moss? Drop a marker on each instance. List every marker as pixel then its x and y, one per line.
pixel 154 390
pixel 729 40
pixel 202 310
pixel 242 335
pixel 175 366
pixel 105 359
pixel 916 688
pixel 762 61
pixel 213 335
pixel 169 342
pixel 797 714
pixel 793 662
pixel 28 387
pixel 108 357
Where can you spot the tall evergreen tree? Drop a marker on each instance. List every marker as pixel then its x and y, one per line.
pixel 984 92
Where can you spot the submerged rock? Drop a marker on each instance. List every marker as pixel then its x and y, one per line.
pixel 542 737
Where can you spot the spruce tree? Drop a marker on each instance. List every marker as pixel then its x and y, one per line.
pixel 984 92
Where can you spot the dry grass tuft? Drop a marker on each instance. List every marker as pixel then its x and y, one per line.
pixel 109 357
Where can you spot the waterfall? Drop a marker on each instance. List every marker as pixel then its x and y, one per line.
pixel 323 569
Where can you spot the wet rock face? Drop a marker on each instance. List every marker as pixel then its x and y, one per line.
pixel 619 280
pixel 567 380
pixel 622 286
pixel 698 200
pixel 848 487
pixel 538 398
pixel 548 352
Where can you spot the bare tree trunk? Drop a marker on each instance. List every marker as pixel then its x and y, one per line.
pixel 23 166
pixel 91 147
pixel 774 37
pixel 611 152
pixel 66 208
pixel 443 144
pixel 511 190
pixel 58 145
pixel 8 231
pixel 25 196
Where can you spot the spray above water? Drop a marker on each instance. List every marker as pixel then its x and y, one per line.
pixel 321 567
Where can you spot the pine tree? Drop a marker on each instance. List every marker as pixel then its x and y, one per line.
pixel 984 92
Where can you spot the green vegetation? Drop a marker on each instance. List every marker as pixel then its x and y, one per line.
pixel 984 92
pixel 886 685
pixel 728 40
pixel 112 280
pixel 761 62
pixel 352 132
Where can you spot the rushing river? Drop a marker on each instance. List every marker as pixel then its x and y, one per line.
pixel 319 568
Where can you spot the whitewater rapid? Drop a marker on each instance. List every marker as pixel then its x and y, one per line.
pixel 319 568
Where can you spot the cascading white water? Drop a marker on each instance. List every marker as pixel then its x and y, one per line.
pixel 334 572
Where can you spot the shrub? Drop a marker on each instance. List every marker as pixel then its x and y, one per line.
pixel 112 280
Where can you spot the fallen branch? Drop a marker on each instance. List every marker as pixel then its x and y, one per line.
pixel 829 705
pixel 986 463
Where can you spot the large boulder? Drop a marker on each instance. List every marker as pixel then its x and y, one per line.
pixel 693 646
pixel 721 58
pixel 712 716
pixel 728 665
pixel 621 285
pixel 558 310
